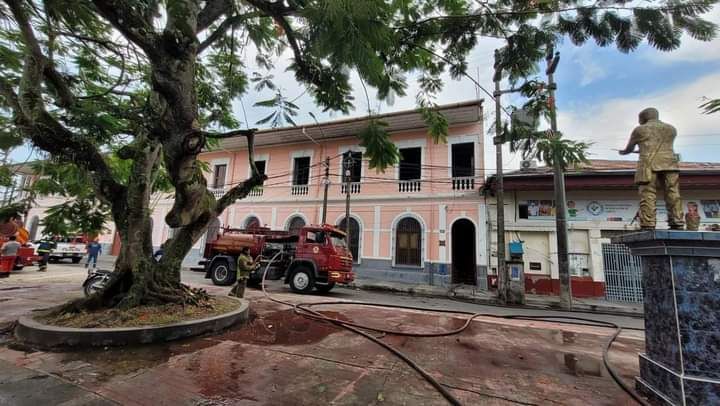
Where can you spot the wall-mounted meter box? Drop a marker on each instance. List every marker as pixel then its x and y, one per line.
pixel 515 248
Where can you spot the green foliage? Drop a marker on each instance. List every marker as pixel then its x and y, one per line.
pixel 12 211
pixel 378 146
pixel 75 217
pixel 284 111
pixel 711 106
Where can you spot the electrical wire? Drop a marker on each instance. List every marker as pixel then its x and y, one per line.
pixel 305 310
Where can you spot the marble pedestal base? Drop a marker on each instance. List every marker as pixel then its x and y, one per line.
pixel 681 282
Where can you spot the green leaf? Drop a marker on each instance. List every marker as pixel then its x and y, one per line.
pixel 380 149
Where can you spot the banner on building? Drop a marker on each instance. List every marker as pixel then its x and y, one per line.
pixel 613 210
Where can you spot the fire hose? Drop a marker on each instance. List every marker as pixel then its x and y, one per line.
pixel 304 309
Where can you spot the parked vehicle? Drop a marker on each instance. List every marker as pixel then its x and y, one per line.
pixel 95 281
pixel 26 254
pixel 72 247
pixel 315 258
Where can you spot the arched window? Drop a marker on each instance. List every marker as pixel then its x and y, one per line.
pixel 33 229
pixel 354 237
pixel 407 242
pixel 295 224
pixel 252 222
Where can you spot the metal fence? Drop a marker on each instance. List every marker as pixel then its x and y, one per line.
pixel 623 274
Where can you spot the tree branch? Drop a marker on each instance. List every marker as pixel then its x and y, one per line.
pixel 230 134
pixel 243 189
pixel 227 24
pixel 54 78
pixel 36 124
pixel 110 46
pixel 212 11
pixel 131 24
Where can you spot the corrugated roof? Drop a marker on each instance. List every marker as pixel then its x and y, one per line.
pixel 608 166
pixel 457 113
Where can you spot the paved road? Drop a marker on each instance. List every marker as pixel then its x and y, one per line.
pixel 197 278
pixel 64 273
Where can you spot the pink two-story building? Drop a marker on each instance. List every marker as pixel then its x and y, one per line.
pixel 420 221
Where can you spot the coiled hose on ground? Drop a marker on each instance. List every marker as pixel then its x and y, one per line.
pixel 304 309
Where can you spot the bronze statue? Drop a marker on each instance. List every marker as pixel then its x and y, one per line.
pixel 657 167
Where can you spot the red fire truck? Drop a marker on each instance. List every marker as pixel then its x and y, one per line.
pixel 26 254
pixel 316 257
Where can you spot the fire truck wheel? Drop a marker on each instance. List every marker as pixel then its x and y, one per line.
pixel 76 260
pixel 325 288
pixel 221 274
pixel 302 280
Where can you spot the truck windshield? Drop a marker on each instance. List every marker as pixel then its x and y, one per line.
pixel 338 240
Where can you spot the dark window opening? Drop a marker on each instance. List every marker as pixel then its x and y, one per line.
pixel 219 176
pixel 463 160
pixel 407 242
pixel 355 166
pixel 410 163
pixel 301 171
pixel 523 211
pixel 354 237
pixel 295 225
pixel 252 222
pixel 260 165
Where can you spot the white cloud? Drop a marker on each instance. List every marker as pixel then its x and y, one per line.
pixel 586 60
pixel 609 124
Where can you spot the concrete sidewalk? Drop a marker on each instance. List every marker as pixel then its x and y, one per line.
pixel 490 297
pixel 20 386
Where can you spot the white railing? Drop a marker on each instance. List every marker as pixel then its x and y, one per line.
pixel 256 191
pixel 354 187
pixel 409 186
pixel 298 190
pixel 463 183
pixel 218 192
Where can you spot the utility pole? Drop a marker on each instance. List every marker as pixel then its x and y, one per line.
pixel 347 170
pixel 503 277
pixel 326 180
pixel 560 197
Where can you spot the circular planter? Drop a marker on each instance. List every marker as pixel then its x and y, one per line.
pixel 41 335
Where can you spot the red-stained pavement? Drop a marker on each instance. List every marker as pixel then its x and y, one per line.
pixel 280 358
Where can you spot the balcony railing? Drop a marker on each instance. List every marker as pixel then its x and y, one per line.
pixel 354 187
pixel 218 192
pixel 463 183
pixel 409 186
pixel 299 190
pixel 256 191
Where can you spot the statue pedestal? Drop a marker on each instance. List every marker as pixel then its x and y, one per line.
pixel 681 282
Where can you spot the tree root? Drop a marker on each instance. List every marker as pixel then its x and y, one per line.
pixel 127 289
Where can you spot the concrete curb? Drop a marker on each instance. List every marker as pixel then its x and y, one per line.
pixel 41 335
pixel 492 301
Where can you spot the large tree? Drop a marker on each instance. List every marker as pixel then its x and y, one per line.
pixel 151 82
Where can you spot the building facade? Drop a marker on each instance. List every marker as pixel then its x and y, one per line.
pixel 602 202
pixel 420 221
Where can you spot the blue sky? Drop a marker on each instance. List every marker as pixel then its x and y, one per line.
pixel 600 92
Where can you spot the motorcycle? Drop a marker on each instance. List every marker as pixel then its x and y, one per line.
pixel 96 281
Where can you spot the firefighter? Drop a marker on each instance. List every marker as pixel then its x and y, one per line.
pixel 245 265
pixel 44 249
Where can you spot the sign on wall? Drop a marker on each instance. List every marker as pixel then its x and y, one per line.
pixel 613 210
